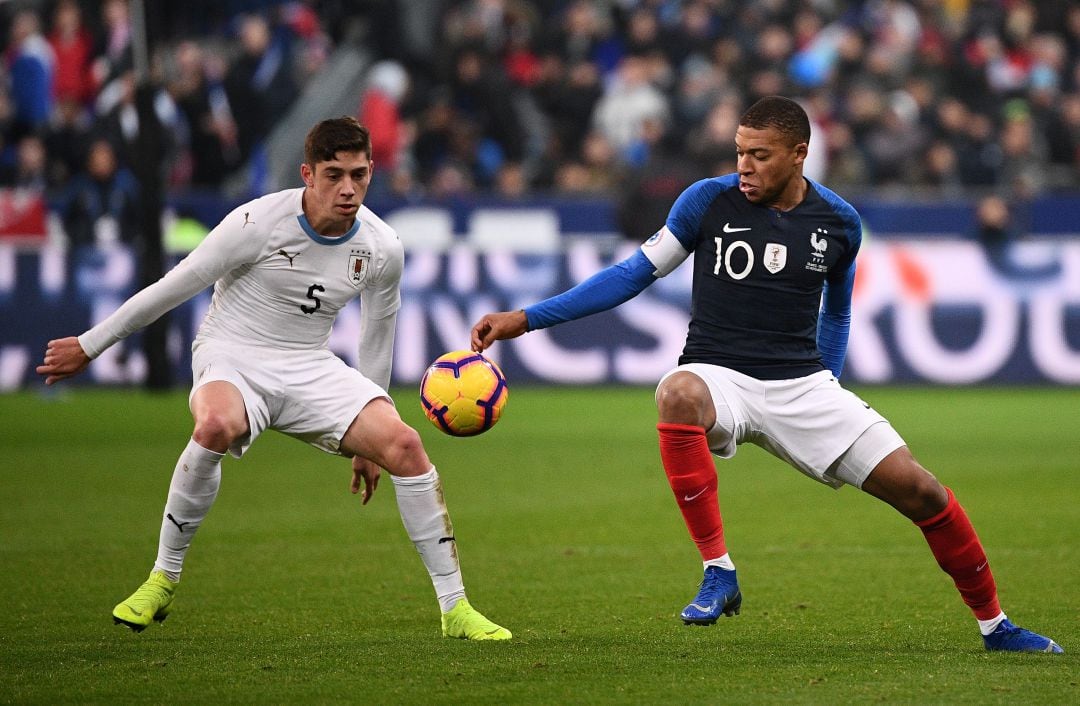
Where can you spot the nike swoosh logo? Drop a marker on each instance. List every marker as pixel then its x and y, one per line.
pixel 729 229
pixel 700 607
pixel 981 567
pixel 134 612
pixel 688 498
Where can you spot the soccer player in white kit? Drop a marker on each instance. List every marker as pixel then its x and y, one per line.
pixel 282 267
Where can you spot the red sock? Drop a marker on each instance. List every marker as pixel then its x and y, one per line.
pixel 692 475
pixel 959 553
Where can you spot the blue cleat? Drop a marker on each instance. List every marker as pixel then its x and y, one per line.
pixel 719 594
pixel 1010 638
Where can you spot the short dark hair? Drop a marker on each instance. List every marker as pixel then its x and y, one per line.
pixel 781 113
pixel 335 135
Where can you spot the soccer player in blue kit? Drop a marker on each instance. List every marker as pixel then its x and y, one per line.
pixel 774 266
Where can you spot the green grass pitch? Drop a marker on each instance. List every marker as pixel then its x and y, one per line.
pixel 569 536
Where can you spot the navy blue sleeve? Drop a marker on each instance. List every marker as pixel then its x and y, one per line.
pixel 834 322
pixel 684 219
pixel 605 290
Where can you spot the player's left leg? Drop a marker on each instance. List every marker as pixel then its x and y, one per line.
pixel 686 409
pixel 378 433
pixel 902 482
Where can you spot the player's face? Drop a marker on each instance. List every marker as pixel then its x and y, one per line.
pixel 335 190
pixel 769 166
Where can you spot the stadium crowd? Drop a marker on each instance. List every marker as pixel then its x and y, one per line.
pixel 633 99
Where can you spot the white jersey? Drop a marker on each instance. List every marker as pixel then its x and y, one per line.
pixel 277 282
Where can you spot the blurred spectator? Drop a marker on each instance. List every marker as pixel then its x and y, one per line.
pixel 568 96
pixel 114 52
pixel 1063 140
pixel 627 103
pixel 30 168
pixel 100 205
pixel 119 122
pixel 510 182
pixel 199 95
pixel 259 83
pixel 940 169
pixel 66 141
pixel 387 83
pixel 482 95
pixel 649 191
pixel 996 232
pixel 894 143
pixel 31 65
pixel 73 46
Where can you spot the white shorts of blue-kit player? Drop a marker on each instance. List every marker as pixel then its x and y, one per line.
pixel 811 422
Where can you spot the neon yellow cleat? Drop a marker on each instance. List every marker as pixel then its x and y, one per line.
pixel 150 602
pixel 465 622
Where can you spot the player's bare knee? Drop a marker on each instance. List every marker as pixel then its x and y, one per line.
pixel 217 431
pixel 927 495
pixel 683 398
pixel 405 454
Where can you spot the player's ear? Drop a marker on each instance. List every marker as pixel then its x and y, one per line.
pixel 307 174
pixel 800 152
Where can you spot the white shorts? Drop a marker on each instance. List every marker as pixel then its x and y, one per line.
pixel 811 422
pixel 310 395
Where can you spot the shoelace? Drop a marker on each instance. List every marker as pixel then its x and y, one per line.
pixel 712 581
pixel 149 595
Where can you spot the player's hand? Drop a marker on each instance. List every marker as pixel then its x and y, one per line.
pixel 64 357
pixel 365 473
pixel 498 327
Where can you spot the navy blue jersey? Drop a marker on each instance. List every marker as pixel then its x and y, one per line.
pixel 759 275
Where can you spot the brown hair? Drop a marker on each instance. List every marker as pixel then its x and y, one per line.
pixel 781 113
pixel 335 135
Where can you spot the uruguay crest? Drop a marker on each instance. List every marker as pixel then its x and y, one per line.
pixel 359 262
pixel 775 257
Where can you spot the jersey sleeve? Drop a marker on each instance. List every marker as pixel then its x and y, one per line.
pixel 605 290
pixel 383 296
pixel 834 321
pixel 379 305
pixel 684 219
pixel 226 247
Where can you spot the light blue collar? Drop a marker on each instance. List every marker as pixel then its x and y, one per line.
pixel 324 240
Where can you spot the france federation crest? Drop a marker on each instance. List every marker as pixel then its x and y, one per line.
pixel 359 262
pixel 775 257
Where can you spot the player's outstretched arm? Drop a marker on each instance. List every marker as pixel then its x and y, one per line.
pixel 64 357
pixel 498 327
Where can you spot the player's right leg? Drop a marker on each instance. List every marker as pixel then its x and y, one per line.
pixel 220 419
pixel 902 482
pixel 378 434
pixel 686 409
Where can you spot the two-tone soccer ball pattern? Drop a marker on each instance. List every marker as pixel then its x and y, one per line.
pixel 463 393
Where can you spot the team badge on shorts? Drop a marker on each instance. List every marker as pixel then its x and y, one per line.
pixel 359 261
pixel 775 257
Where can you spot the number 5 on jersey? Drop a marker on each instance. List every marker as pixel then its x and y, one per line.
pixel 311 295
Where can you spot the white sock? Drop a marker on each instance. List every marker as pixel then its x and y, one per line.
pixel 194 486
pixel 423 512
pixel 988 626
pixel 724 562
